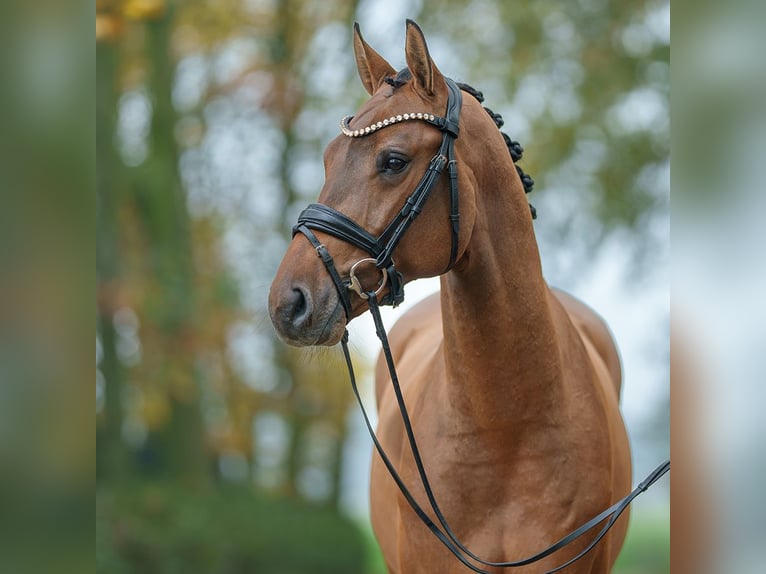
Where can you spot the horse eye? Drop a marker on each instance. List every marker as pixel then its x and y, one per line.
pixel 395 164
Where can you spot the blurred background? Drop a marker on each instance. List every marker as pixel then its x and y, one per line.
pixel 220 449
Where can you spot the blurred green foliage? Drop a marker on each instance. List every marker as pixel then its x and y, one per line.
pixel 647 546
pixel 584 86
pixel 219 450
pixel 157 528
pixel 47 446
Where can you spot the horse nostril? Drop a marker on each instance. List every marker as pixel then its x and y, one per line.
pixel 299 309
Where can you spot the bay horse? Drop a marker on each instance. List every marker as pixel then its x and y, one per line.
pixel 513 387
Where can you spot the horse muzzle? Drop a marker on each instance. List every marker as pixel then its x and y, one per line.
pixel 303 318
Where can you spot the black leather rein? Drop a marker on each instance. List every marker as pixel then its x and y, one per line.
pixel 318 217
pixel 445 534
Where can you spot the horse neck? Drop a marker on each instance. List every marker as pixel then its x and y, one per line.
pixel 501 350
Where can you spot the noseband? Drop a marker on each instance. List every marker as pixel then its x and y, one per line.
pixel 323 218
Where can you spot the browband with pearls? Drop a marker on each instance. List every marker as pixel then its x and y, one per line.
pixel 347 131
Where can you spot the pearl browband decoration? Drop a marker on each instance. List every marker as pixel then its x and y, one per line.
pixel 347 131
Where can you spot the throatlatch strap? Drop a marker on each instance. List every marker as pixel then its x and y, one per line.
pixel 446 536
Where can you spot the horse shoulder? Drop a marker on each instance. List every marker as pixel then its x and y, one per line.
pixel 594 330
pixel 600 345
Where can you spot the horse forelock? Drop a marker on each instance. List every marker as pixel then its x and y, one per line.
pixel 402 77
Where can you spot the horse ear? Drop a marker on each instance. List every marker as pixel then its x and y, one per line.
pixel 372 67
pixel 427 76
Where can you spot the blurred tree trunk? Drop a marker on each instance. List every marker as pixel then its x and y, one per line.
pixel 284 56
pixel 289 46
pixel 112 453
pixel 170 307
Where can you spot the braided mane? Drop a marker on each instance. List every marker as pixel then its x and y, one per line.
pixel 514 147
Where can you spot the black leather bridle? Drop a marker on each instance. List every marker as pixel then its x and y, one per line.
pixel 323 218
pixel 328 220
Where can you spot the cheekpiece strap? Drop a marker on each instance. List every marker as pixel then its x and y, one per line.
pixel 324 255
pixel 323 218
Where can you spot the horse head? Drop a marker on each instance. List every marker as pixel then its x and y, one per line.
pixel 371 170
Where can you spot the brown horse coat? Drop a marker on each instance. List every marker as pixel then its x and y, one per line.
pixel 512 387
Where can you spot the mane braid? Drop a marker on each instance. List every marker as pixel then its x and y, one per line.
pixel 514 147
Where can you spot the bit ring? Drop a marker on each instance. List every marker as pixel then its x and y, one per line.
pixel 356 285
